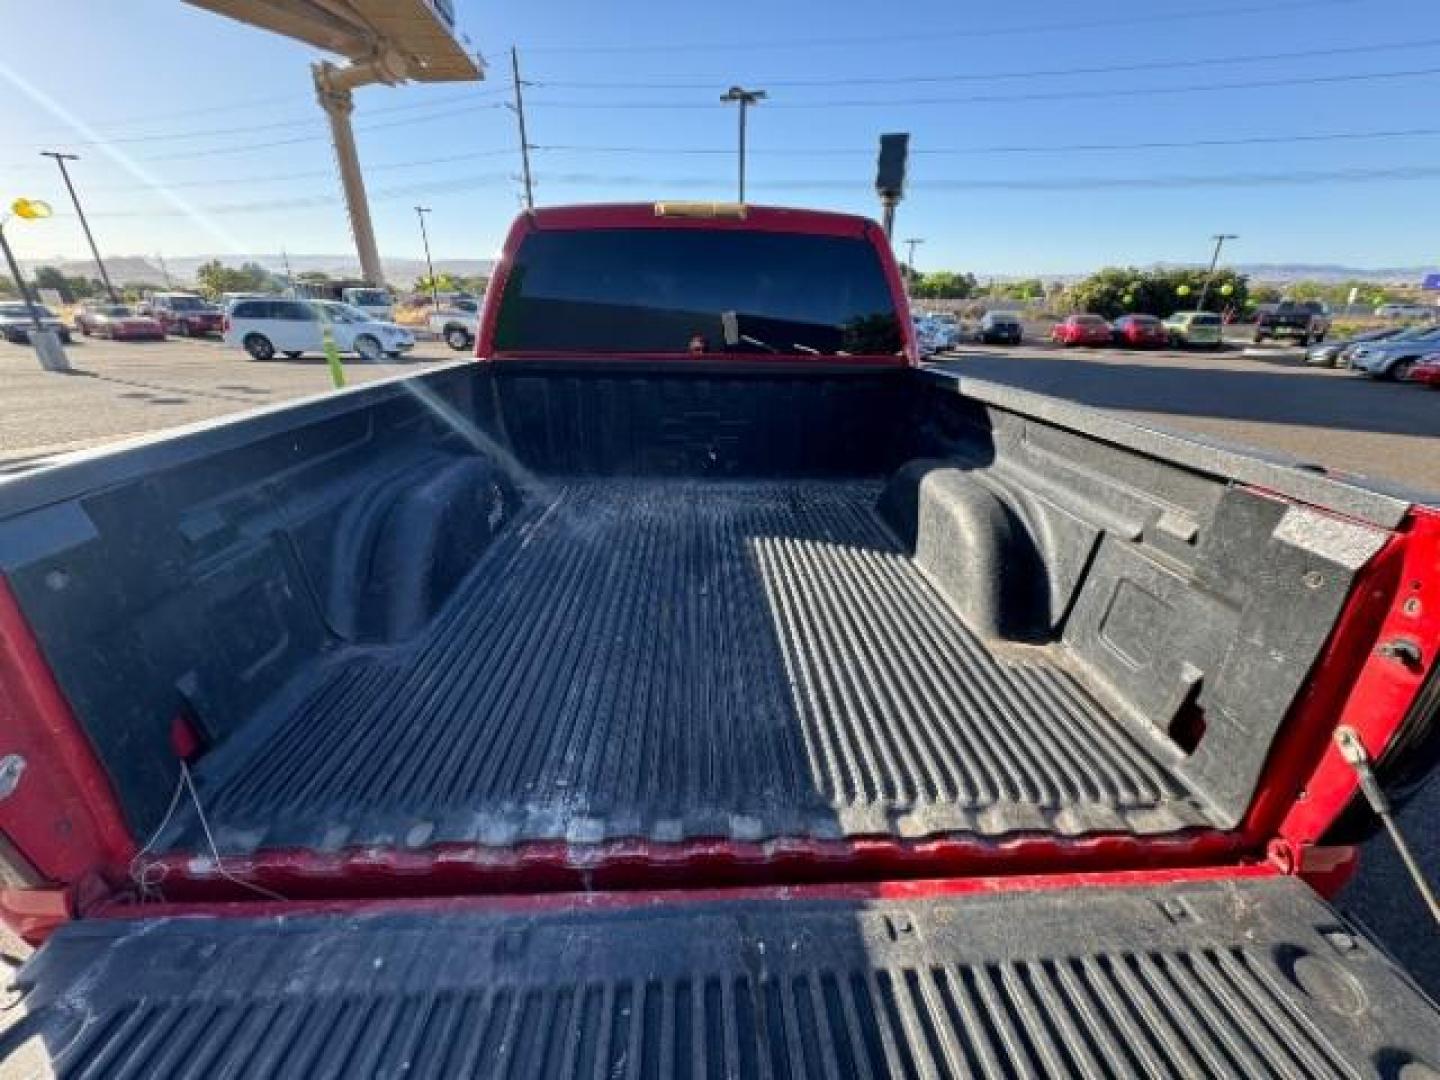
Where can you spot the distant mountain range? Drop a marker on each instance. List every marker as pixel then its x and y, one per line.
pixel 141 269
pixel 147 270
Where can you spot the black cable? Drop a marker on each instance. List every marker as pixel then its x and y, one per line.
pixel 1208 14
pixel 1000 99
pixel 990 76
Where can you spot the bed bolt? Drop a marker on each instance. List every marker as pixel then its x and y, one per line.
pixel 1314 579
pixel 1402 650
pixel 11 766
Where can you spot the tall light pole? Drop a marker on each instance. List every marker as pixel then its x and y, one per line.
pixel 61 159
pixel 744 98
pixel 912 243
pixel 420 212
pixel 1219 239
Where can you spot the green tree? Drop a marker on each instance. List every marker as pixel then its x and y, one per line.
pixel 1116 291
pixel 215 278
pixel 69 288
pixel 943 285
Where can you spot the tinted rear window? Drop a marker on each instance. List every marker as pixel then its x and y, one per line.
pixel 251 309
pixel 1205 320
pixel 656 290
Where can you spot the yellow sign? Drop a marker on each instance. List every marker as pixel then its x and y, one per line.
pixel 30 209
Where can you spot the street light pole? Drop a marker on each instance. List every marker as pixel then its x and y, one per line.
pixel 420 212
pixel 745 98
pixel 61 159
pixel 913 242
pixel 1219 239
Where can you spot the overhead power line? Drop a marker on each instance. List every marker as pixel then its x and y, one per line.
pixel 692 83
pixel 251 180
pixel 1198 12
pixel 651 183
pixel 1041 148
pixel 1041 95
pixel 426 110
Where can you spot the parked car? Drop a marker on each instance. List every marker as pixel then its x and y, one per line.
pixel 118 322
pixel 1194 329
pixel 1338 353
pixel 947 326
pixel 1407 311
pixel 16 321
pixel 930 335
pixel 183 314
pixel 1395 357
pixel 377 303
pixel 1140 332
pixel 1001 328
pixel 1427 371
pixel 294 327
pixel 1307 321
pixel 1081 330
pixel 457 322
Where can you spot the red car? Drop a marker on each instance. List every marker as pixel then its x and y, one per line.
pixel 119 323
pixel 1427 371
pixel 1140 332
pixel 184 314
pixel 1081 330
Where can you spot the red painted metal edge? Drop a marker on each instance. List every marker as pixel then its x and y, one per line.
pixel 551 867
pixel 920 889
pixel 1397 599
pixel 63 815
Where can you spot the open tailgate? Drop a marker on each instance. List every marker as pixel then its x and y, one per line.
pixel 1246 977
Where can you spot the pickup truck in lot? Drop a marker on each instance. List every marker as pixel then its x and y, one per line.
pixel 694 685
pixel 456 322
pixel 1308 321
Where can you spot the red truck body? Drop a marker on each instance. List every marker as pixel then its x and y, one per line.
pixel 753 705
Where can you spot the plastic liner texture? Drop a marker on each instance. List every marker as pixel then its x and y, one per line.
pixel 678 659
pixel 1243 979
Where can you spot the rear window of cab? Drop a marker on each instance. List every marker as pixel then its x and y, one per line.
pixel 642 290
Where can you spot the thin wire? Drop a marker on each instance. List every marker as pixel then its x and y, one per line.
pixel 1000 99
pixel 141 873
pixel 990 76
pixel 214 850
pixel 770 43
pixel 1052 148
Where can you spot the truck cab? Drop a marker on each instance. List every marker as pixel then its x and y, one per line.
pixel 376 303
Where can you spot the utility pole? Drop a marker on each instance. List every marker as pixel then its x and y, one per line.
pixel 913 242
pixel 61 159
pixel 289 278
pixel 1219 239
pixel 164 270
pixel 745 98
pixel 420 212
pixel 519 108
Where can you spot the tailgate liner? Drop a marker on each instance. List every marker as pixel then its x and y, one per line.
pixel 673 660
pixel 1233 978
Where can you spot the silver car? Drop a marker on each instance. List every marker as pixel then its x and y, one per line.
pixel 1394 357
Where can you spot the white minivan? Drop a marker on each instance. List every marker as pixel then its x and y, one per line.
pixel 294 327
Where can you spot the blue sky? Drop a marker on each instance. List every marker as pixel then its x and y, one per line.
pixel 186 95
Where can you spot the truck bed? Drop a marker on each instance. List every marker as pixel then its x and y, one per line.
pixel 675 659
pixel 1244 978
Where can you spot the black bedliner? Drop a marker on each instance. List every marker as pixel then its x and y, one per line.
pixel 1243 978
pixel 682 659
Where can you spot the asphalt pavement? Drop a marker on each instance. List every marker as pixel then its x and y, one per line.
pixel 1271 398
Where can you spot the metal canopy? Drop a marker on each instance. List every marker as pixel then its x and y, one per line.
pixel 420 33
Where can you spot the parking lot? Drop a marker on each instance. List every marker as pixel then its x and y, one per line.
pixel 121 390
pixel 1264 397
